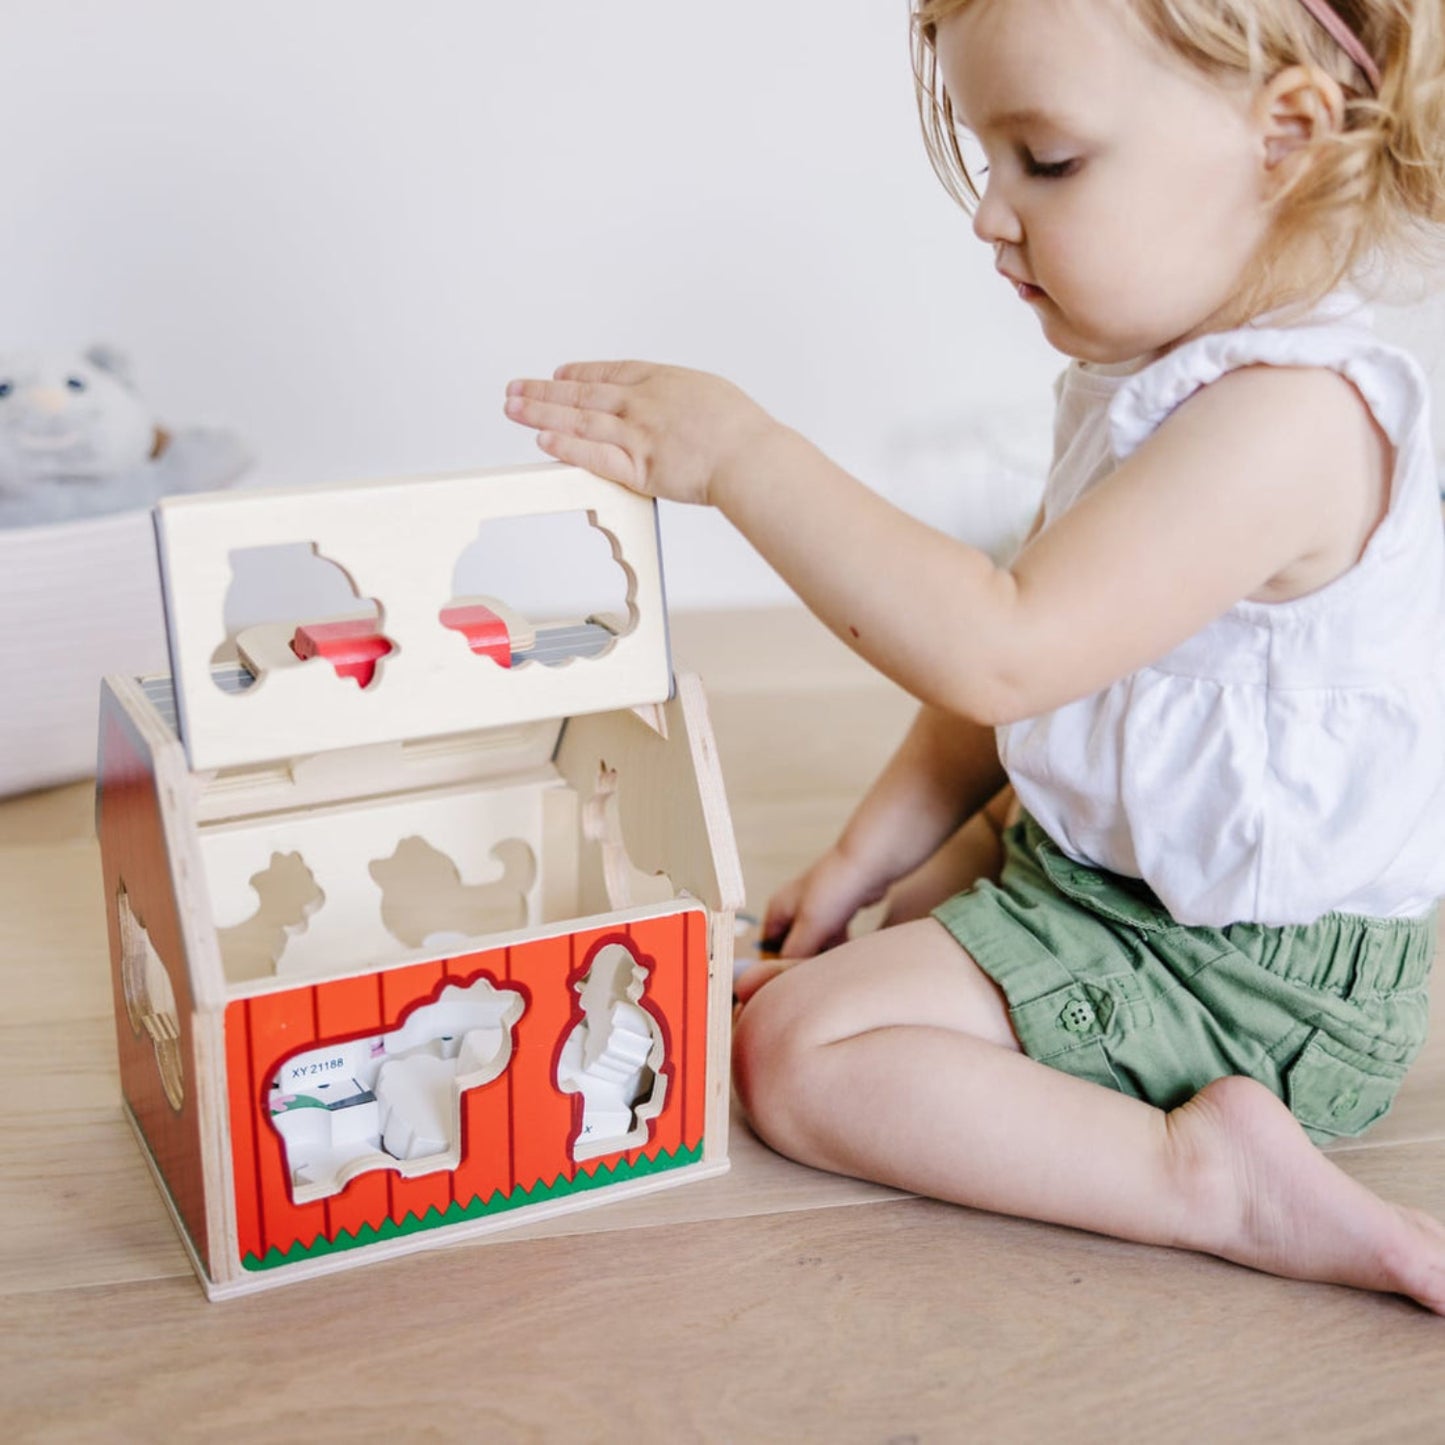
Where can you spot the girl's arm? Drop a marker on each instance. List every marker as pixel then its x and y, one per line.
pixel 942 774
pixel 1257 477
pixel 944 771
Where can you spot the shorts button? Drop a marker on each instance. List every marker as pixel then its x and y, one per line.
pixel 1345 1102
pixel 1078 1016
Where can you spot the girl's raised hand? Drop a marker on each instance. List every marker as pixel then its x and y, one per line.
pixel 661 430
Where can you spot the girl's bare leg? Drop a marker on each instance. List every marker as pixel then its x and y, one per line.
pixel 893 1058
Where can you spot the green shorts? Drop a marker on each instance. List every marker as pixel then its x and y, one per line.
pixel 1101 982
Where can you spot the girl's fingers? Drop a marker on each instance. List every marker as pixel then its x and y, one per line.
pixel 585 395
pixel 624 373
pixel 775 925
pixel 751 979
pixel 809 935
pixel 603 459
pixel 556 416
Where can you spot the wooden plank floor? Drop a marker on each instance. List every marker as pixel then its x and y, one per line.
pixel 772 1304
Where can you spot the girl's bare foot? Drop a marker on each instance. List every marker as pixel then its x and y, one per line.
pixel 1259 1193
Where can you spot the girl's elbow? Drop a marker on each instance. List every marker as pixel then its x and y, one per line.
pixel 991 699
pixel 1005 706
pixel 1003 685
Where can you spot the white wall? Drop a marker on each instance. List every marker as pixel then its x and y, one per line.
pixel 342 225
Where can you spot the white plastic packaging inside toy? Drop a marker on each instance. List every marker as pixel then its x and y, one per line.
pixel 393 1100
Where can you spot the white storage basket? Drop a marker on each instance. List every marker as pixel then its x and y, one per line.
pixel 78 600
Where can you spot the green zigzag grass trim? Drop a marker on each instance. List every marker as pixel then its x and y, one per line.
pixel 498 1203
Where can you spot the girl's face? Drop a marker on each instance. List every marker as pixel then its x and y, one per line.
pixel 1125 196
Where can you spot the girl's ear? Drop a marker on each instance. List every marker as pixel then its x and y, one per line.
pixel 1293 109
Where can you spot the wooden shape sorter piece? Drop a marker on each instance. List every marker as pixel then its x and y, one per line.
pixel 397 542
pixel 420 954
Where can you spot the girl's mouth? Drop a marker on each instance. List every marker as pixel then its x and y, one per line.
pixel 1029 293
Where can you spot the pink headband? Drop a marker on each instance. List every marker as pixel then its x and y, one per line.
pixel 1345 38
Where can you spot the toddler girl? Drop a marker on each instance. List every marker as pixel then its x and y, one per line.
pixel 1212 676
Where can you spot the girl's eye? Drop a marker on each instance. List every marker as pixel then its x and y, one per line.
pixel 1051 170
pixel 75 383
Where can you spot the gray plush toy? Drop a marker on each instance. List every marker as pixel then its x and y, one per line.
pixel 77 441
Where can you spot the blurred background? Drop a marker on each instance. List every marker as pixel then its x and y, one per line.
pixel 340 226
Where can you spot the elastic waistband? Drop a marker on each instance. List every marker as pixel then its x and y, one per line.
pixel 1346 953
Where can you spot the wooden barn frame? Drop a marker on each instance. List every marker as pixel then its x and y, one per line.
pixel 417 929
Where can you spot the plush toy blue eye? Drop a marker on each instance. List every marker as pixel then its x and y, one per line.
pixel 75 383
pixel 5 388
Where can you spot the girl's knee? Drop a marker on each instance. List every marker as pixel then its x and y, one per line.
pixel 811 1003
pixel 774 1040
pixel 763 1038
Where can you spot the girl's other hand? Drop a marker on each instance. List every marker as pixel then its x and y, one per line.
pixel 812 912
pixel 661 430
pixel 754 976
pixel 808 916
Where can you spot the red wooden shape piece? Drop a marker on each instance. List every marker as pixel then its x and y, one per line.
pixel 352 648
pixel 485 632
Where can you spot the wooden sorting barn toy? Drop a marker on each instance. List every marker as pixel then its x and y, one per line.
pixel 421 916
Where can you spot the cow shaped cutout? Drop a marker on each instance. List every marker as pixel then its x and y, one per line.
pixel 391 1100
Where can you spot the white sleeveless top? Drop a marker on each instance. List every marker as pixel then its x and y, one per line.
pixel 1289 760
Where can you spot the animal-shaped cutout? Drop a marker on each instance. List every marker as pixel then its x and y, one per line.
pixel 425 903
pixel 150 1001
pixel 613 1057
pixel 626 885
pixel 395 1098
pixel 288 896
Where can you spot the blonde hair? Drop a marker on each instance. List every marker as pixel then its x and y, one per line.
pixel 1374 190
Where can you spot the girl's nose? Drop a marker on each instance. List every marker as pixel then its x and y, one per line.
pixel 995 222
